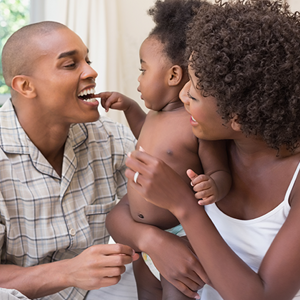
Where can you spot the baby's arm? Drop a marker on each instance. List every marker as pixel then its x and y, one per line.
pixel 133 112
pixel 215 183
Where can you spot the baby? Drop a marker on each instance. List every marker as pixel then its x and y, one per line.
pixel 165 131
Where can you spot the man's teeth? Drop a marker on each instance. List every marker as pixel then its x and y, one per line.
pixel 85 94
pixel 90 100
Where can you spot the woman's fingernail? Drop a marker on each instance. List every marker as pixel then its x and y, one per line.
pixel 197 297
pixel 141 149
pixel 129 154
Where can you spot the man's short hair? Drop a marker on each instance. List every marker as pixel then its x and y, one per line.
pixel 19 50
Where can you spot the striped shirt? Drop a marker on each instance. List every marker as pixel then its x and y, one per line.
pixel 45 217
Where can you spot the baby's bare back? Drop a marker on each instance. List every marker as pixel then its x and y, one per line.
pixel 168 136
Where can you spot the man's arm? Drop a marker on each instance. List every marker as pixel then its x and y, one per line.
pixel 96 267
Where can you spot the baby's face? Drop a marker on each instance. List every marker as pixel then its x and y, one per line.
pixel 154 76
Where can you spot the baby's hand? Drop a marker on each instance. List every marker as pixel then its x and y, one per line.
pixel 114 100
pixel 204 187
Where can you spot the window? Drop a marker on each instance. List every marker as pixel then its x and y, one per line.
pixel 13 15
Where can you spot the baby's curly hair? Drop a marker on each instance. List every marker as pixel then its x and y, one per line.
pixel 246 53
pixel 171 18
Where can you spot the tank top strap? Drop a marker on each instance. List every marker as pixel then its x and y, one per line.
pixel 288 192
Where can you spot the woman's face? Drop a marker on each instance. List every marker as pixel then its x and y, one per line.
pixel 206 123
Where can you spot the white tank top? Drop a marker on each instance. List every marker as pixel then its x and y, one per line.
pixel 249 239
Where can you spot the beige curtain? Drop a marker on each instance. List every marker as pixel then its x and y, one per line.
pixel 127 25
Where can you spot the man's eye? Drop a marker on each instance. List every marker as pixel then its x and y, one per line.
pixel 70 65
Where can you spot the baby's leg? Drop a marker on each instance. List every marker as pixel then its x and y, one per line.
pixel 170 292
pixel 148 286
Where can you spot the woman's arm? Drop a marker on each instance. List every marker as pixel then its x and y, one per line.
pixel 279 275
pixel 180 267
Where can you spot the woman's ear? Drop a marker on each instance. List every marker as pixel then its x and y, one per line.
pixel 234 124
pixel 175 75
pixel 23 85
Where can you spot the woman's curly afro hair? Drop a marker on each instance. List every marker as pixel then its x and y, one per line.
pixel 246 53
pixel 171 18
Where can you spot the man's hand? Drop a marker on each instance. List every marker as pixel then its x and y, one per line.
pixel 99 266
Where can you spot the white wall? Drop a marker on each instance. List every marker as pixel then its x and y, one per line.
pixel 294 4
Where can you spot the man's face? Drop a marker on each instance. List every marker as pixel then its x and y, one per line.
pixel 61 72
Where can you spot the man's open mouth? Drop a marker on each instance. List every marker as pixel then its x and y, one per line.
pixel 88 95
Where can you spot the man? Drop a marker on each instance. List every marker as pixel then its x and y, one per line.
pixel 62 169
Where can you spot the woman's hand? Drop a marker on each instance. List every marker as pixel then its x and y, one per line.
pixel 157 182
pixel 180 267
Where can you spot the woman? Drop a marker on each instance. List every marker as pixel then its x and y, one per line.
pixel 244 87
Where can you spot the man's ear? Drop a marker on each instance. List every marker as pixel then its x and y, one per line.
pixel 175 75
pixel 234 124
pixel 23 85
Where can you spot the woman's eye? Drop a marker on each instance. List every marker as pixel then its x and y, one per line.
pixel 142 70
pixel 88 62
pixel 189 95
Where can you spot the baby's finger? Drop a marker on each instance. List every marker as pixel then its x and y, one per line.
pixel 104 104
pixel 200 178
pixel 191 174
pixel 204 185
pixel 104 95
pixel 203 194
pixel 207 201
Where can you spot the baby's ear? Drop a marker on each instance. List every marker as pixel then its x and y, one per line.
pixel 23 85
pixel 175 75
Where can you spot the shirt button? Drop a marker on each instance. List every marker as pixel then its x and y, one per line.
pixel 72 231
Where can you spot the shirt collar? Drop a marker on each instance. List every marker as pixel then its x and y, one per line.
pixel 13 138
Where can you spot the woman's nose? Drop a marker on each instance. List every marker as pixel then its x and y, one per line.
pixel 183 95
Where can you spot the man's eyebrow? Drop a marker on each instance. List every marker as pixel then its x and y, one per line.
pixel 69 53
